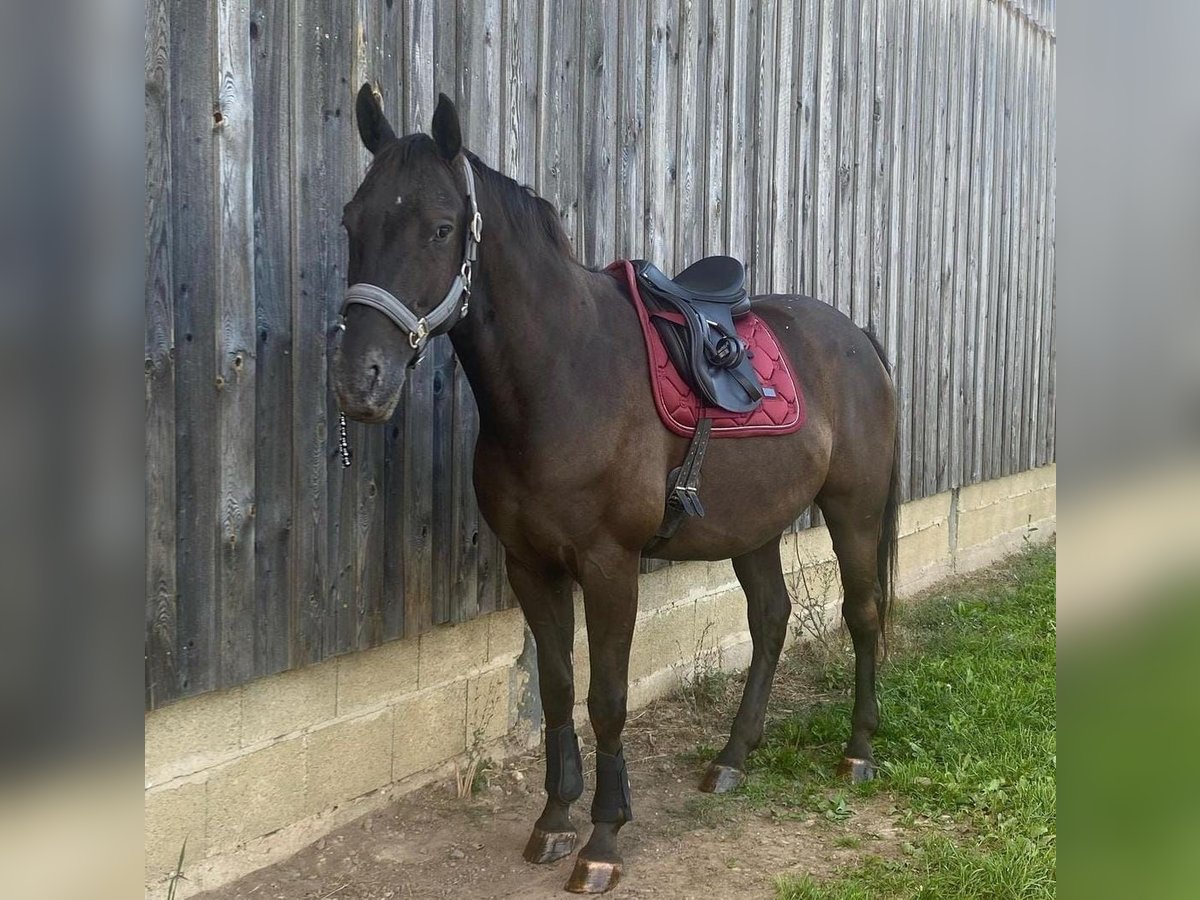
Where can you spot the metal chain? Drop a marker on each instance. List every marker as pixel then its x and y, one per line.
pixel 343 441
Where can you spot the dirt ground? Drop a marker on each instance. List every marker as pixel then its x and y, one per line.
pixel 682 845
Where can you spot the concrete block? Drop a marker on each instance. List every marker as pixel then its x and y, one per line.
pixel 191 734
pixel 658 589
pixel 450 651
pixel 348 759
pixel 174 813
pixel 287 702
pixel 719 575
pixel 815 583
pixel 656 685
pixel 506 635
pixel 256 794
pixel 925 512
pixel 489 703
pixel 977 496
pixel 430 727
pixel 663 639
pixel 981 525
pixel 718 617
pixel 923 548
pixel 735 655
pixel 377 676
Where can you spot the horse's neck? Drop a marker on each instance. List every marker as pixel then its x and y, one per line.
pixel 529 339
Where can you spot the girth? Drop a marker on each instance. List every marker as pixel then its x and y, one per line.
pixel 694 314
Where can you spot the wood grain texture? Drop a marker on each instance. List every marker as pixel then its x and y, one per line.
pixel 193 201
pixel 270 45
pixel 162 668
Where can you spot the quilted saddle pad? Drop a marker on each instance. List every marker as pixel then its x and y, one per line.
pixel 680 408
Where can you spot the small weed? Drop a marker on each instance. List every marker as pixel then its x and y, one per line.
pixel 177 875
pixel 707 686
pixel 472 778
pixel 813 586
pixel 848 842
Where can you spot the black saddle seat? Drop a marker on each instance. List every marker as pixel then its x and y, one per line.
pixel 714 279
pixel 694 314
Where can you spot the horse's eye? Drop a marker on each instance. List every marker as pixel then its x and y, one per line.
pixel 443 231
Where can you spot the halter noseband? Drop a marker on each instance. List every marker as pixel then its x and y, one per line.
pixel 438 320
pixel 442 317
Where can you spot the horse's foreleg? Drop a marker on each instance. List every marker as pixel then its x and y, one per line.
pixel 610 602
pixel 760 573
pixel 546 601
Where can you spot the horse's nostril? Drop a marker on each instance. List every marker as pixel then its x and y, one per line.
pixel 374 375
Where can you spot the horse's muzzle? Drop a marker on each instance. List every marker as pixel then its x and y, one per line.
pixel 367 391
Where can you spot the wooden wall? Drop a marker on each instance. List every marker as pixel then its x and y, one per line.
pixel 893 158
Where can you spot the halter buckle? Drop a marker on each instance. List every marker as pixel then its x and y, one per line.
pixel 417 338
pixel 477 226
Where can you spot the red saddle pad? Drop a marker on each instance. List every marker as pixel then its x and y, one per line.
pixel 680 408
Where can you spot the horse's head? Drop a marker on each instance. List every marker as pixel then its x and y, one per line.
pixel 412 231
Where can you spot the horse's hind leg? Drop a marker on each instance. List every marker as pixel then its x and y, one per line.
pixel 768 607
pixel 855 534
pixel 545 599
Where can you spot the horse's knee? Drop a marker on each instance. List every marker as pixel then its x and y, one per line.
pixel 607 712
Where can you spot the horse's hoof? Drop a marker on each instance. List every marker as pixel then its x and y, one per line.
pixel 593 877
pixel 721 779
pixel 858 770
pixel 547 846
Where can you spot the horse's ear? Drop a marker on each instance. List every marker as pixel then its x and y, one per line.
pixel 447 133
pixel 373 126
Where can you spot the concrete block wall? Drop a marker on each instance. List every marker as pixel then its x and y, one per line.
pixel 250 775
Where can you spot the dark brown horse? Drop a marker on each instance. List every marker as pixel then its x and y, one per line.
pixel 572 459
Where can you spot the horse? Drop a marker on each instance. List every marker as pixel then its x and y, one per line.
pixel 571 462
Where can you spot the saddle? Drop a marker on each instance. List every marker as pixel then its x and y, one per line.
pixel 694 315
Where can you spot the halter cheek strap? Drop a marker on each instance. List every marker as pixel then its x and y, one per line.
pixel 452 308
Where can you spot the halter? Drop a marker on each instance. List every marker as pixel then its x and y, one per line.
pixel 449 312
pixel 442 317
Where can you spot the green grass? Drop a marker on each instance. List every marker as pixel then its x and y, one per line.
pixel 967 748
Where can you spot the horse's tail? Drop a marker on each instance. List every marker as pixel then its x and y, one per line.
pixel 885 554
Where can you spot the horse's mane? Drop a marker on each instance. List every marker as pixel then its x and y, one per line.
pixel 522 206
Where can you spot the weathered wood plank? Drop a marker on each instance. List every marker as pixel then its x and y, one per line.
pixel 906 288
pixel 827 113
pixel 859 252
pixel 1001 247
pixel 967 259
pixel 846 136
pixel 520 99
pixel 270 44
pixel 807 36
pixel 234 344
pixel 741 117
pixel 883 89
pixel 713 131
pixel 631 125
pixel 342 52
pixel 662 26
pixel 958 125
pixel 192 89
pixel 597 102
pixel 316 252
pixel 162 670
pixel 763 76
pixel 898 105
pixel 558 115
pixel 691 90
pixel 781 236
